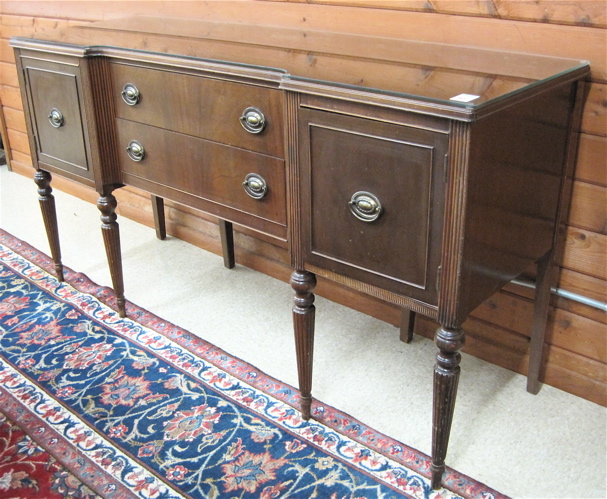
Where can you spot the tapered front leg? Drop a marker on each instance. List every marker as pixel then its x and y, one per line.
pixel 303 283
pixel 446 377
pixel 111 238
pixel 49 217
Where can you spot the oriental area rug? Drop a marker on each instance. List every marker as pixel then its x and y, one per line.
pixel 94 405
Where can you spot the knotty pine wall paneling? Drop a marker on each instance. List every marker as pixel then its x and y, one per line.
pixel 498 331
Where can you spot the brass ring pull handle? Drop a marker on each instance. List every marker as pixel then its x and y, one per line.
pixel 135 151
pixel 130 94
pixel 255 186
pixel 56 118
pixel 253 120
pixel 365 206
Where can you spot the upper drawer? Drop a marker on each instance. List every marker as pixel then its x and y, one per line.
pixel 56 114
pixel 200 106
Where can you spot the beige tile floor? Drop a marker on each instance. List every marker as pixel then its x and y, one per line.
pixel 545 446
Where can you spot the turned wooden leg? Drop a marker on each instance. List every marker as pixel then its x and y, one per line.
pixel 226 233
pixel 159 220
pixel 540 321
pixel 111 238
pixel 303 283
pixel 446 377
pixel 407 325
pixel 49 216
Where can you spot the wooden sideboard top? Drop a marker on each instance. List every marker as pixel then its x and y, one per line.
pixel 463 79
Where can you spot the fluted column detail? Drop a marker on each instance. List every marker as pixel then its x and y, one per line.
pixel 446 378
pixel 303 283
pixel 111 238
pixel 49 216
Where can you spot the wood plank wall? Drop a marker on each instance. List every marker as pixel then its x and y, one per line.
pixel 498 331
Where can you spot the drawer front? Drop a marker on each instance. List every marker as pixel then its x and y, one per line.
pixel 207 170
pixel 199 106
pixel 55 101
pixel 372 201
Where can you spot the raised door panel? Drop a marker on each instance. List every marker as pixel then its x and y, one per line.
pixel 372 201
pixel 55 99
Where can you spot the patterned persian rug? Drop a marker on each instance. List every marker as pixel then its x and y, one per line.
pixel 95 405
pixel 28 471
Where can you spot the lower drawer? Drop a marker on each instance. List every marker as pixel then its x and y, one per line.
pixel 248 187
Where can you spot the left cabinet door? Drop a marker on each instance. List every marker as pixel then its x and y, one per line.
pixel 54 107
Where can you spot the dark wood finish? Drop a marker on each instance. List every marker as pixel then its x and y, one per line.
pixel 446 377
pixel 407 325
pixel 226 234
pixel 159 218
pixel 546 275
pixel 509 222
pixel 167 98
pixel 81 145
pixel 404 168
pixel 205 175
pixel 303 283
pixel 540 319
pixel 100 123
pixel 54 82
pixel 56 86
pixel 111 238
pixel 226 231
pixel 461 213
pixel 567 371
pixel 49 216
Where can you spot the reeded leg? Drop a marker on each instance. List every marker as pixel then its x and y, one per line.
pixel 111 238
pixel 446 377
pixel 407 325
pixel 226 233
pixel 540 321
pixel 159 220
pixel 49 216
pixel 303 283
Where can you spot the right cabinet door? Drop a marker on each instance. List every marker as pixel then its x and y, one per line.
pixel 372 200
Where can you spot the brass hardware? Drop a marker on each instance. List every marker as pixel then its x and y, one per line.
pixel 130 94
pixel 135 151
pixel 365 206
pixel 255 186
pixel 56 118
pixel 253 120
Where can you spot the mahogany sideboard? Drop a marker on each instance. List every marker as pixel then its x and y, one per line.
pixel 427 175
